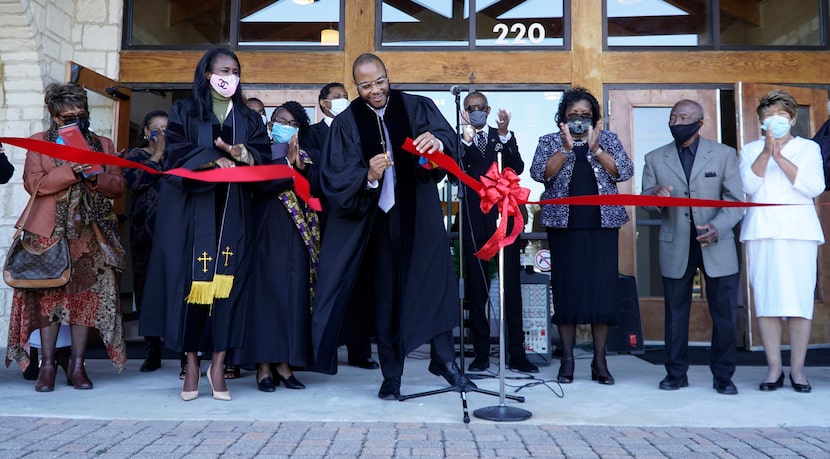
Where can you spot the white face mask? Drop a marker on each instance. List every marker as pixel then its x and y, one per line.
pixel 338 106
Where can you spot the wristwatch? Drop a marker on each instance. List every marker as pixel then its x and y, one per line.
pixel 598 152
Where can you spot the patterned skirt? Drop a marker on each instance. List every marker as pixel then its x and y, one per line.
pixel 90 299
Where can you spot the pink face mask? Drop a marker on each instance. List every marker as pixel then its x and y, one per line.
pixel 225 85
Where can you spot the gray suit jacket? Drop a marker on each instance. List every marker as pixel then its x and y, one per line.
pixel 715 175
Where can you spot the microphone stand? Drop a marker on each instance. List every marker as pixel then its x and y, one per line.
pixel 502 412
pixel 456 91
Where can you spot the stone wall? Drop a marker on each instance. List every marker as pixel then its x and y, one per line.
pixel 37 38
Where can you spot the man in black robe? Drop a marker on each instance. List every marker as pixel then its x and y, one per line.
pixel 385 227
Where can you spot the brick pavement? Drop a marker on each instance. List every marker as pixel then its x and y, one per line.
pixel 78 438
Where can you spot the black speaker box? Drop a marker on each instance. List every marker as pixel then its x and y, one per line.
pixel 627 335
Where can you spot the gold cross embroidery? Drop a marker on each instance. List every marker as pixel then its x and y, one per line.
pixel 204 259
pixel 227 253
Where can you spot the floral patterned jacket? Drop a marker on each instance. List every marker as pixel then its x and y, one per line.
pixel 556 186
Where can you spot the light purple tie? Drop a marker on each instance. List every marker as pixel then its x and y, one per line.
pixel 387 190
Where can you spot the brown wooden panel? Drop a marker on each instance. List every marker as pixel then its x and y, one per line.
pixel 587 47
pixel 481 67
pixel 359 36
pixel 652 317
pixel 714 67
pixel 257 67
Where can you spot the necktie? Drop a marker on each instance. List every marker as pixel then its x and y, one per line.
pixel 387 190
pixel 686 159
pixel 481 141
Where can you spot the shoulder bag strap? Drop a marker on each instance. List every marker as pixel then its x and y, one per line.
pixel 25 215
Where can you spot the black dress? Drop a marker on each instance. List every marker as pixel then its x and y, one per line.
pixel 278 299
pixel 583 257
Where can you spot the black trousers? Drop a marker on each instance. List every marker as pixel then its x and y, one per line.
pixel 384 254
pixel 722 297
pixel 477 293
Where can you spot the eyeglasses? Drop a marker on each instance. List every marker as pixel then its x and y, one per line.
pixel 369 85
pixel 285 122
pixel 574 116
pixel 69 118
pixel 475 108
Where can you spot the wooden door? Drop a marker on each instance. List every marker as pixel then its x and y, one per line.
pixel 641 119
pixel 812 113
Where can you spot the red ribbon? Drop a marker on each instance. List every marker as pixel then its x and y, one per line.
pixel 504 188
pixel 221 175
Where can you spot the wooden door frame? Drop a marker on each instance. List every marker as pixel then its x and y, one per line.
pixel 620 121
pixel 111 89
pixel 747 96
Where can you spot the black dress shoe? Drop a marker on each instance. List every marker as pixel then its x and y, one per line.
pixel 523 366
pixel 771 386
pixel 606 379
pixel 390 389
pixel 724 386
pixel 152 362
pixel 452 374
pixel 669 383
pixel 367 364
pixel 266 384
pixel 291 382
pixel 566 371
pixel 803 388
pixel 479 364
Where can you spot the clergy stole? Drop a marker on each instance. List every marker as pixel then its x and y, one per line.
pixel 218 227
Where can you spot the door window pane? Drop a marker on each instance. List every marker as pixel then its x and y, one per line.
pixel 525 23
pixel 771 23
pixel 657 23
pixel 650 130
pixel 284 23
pixel 531 116
pixel 424 23
pixel 512 23
pixel 176 23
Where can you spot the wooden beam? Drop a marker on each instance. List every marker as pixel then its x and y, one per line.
pixel 257 67
pixel 359 37
pixel 708 67
pixel 586 43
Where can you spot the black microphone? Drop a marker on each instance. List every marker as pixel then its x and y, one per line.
pixel 455 90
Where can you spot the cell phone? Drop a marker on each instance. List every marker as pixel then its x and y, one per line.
pixel 94 170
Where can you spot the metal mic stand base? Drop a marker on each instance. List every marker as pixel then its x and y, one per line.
pixel 517 398
pixel 502 413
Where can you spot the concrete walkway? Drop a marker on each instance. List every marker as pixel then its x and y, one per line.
pixel 140 415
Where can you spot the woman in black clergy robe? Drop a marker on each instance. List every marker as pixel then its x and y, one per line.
pixel 201 256
pixel 287 234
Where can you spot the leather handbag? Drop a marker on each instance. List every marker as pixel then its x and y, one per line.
pixel 29 267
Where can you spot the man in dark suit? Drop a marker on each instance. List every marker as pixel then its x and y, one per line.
pixel 333 100
pixel 481 147
pixel 697 237
pixel 357 329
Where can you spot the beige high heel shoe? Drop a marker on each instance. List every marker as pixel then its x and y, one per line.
pixel 224 395
pixel 188 395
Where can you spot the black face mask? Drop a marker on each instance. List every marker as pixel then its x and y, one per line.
pixel 578 125
pixel 83 124
pixel 684 132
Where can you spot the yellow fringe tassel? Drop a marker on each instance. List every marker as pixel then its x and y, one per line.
pixel 223 284
pixel 201 292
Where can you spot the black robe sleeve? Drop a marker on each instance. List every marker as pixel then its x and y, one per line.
pixel 343 181
pixel 6 169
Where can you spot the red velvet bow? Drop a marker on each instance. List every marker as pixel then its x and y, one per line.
pixel 502 190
